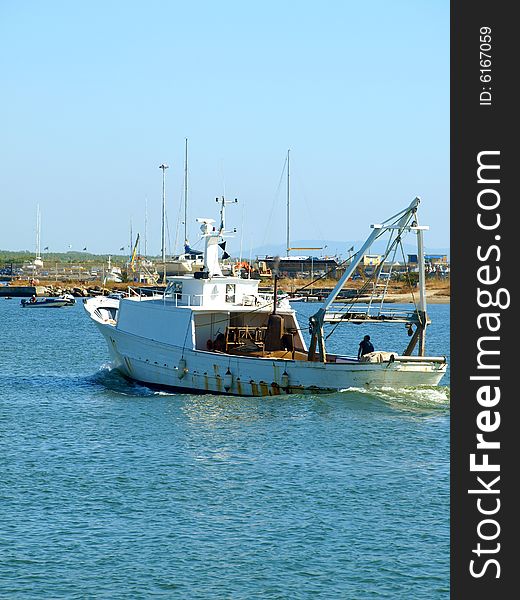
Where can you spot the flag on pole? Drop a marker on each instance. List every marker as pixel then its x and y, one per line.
pixel 134 254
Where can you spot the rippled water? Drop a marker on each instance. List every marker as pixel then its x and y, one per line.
pixel 110 490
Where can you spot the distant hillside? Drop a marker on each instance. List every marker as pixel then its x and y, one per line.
pixel 19 257
pixel 329 248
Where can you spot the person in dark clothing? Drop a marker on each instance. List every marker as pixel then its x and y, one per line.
pixel 365 346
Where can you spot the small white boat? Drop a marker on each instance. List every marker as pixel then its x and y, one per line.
pixel 214 333
pixel 51 302
pixel 189 262
pixel 112 274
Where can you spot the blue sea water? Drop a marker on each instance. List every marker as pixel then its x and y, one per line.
pixel 111 490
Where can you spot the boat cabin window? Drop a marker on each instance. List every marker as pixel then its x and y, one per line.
pixel 173 290
pixel 230 293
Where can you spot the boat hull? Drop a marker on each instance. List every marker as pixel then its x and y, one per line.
pixel 196 371
pixel 40 304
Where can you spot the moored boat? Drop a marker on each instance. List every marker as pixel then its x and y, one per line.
pixel 189 262
pixel 214 333
pixel 49 302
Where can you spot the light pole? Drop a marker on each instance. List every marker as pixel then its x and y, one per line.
pixel 163 251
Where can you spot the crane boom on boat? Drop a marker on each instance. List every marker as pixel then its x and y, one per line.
pixel 398 224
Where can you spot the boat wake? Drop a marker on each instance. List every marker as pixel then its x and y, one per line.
pixel 111 379
pixel 434 397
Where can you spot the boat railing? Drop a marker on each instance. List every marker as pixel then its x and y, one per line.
pixel 133 292
pixel 184 299
pixel 143 293
pixel 266 299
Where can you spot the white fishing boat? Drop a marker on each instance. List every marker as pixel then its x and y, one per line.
pixel 213 333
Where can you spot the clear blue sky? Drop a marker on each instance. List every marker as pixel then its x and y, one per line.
pixel 96 94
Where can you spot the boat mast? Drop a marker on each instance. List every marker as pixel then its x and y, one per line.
pixel 163 240
pixel 145 223
pixel 38 228
pixel 186 192
pixel 38 263
pixel 422 291
pixel 288 206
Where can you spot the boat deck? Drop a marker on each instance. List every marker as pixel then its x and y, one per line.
pixel 287 355
pixel 363 315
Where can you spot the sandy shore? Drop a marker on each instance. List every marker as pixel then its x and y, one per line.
pixel 432 297
pixel 76 288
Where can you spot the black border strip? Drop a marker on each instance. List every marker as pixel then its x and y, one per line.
pixel 476 128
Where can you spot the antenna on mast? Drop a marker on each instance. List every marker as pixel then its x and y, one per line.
pixel 223 203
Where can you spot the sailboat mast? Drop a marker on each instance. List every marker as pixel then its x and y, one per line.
pixel 163 167
pixel 186 192
pixel 145 223
pixel 38 226
pixel 288 205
